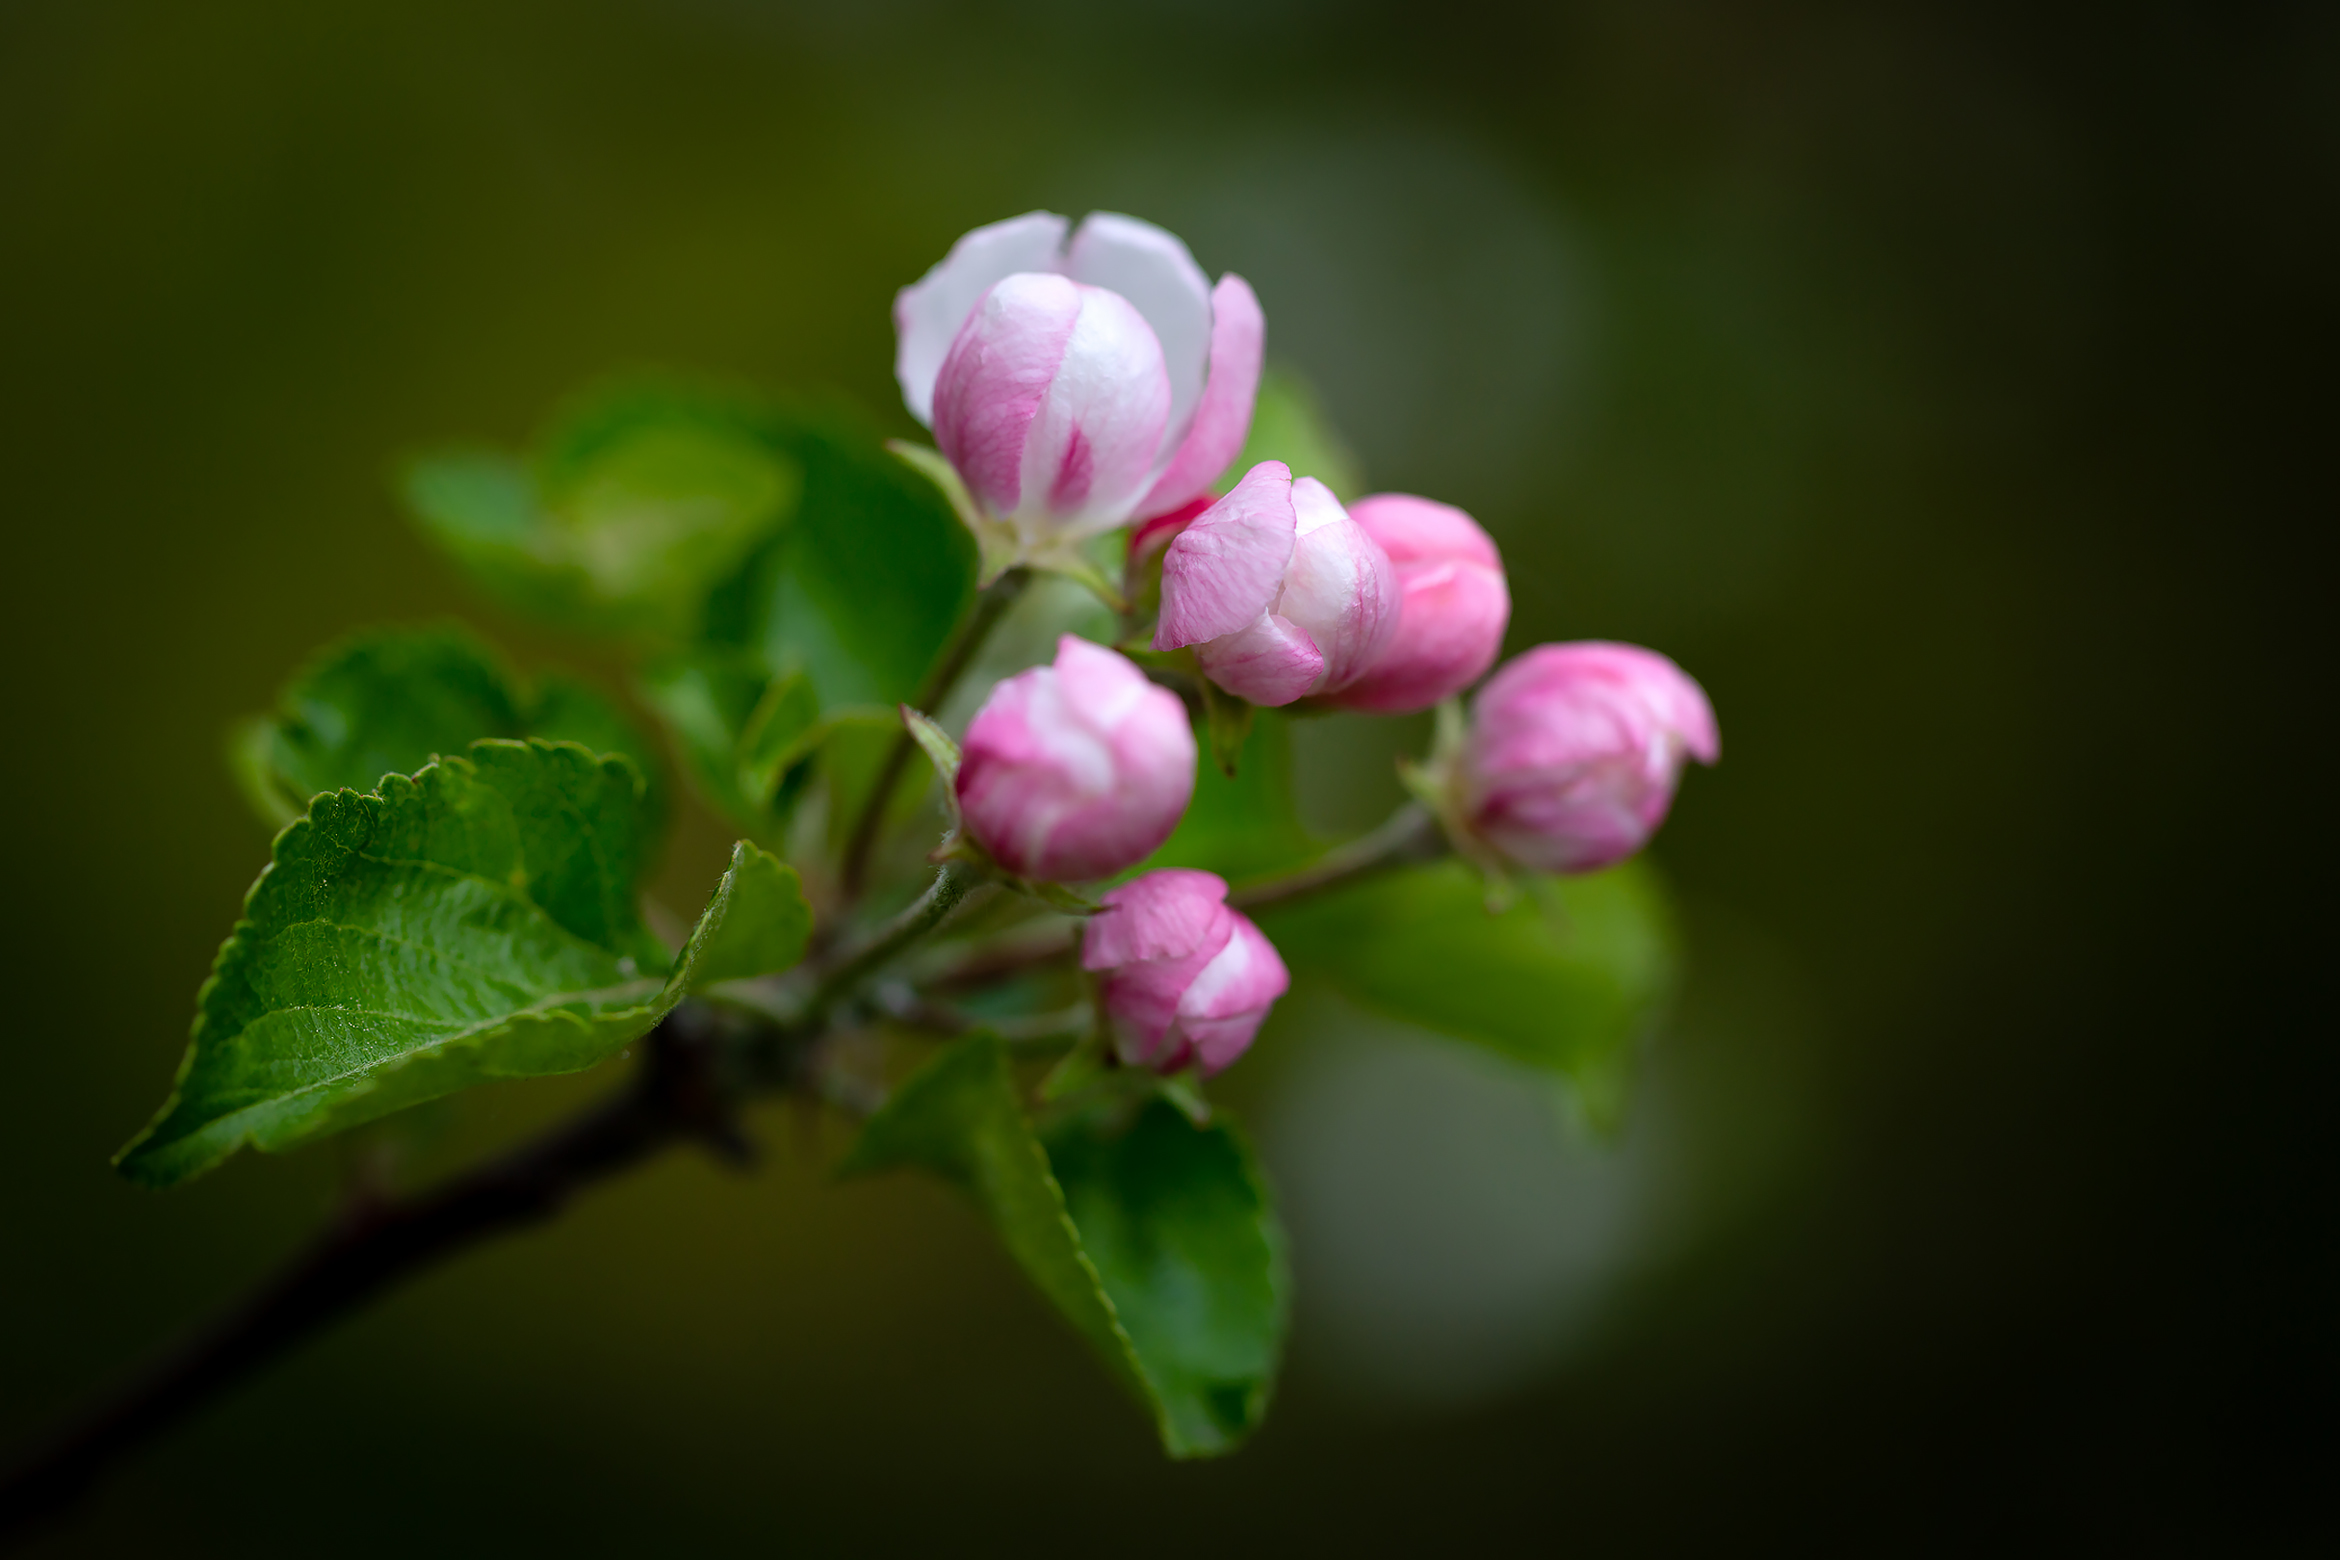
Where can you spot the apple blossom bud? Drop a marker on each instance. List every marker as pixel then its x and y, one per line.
pixel 1185 980
pixel 1077 770
pixel 1574 751
pixel 1077 387
pixel 1453 604
pixel 1281 594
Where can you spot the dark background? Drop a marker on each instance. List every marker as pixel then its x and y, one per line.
pixel 1947 387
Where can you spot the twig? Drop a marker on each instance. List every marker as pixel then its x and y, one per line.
pixel 1411 834
pixel 990 607
pixel 675 1096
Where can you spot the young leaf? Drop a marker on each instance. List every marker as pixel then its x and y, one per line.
pixel 386 701
pixel 1154 1239
pixel 1564 980
pixel 757 924
pixel 752 741
pixel 474 922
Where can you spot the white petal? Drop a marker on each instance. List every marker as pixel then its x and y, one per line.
pixel 929 312
pixel 1153 270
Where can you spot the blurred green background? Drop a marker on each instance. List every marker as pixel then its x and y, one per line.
pixel 1946 386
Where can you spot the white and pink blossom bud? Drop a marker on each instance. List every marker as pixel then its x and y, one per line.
pixel 1574 751
pixel 1280 593
pixel 1077 387
pixel 1075 771
pixel 1453 604
pixel 1185 981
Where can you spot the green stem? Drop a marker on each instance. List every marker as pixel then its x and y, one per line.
pixel 990 606
pixel 1410 835
pixel 951 885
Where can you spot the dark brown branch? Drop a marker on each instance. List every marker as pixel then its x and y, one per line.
pixel 676 1095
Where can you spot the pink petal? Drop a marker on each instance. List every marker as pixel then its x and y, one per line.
pixel 999 374
pixel 1154 272
pixel 1268 661
pixel 1225 569
pixel 1224 1007
pixel 1222 419
pixel 1410 528
pixel 1340 589
pixel 929 312
pixel 1166 914
pixel 1099 429
pixel 1451 618
pixel 1155 534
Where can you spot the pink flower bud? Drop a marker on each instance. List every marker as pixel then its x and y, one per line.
pixel 1574 751
pixel 1279 591
pixel 1186 981
pixel 1077 770
pixel 1452 604
pixel 1078 387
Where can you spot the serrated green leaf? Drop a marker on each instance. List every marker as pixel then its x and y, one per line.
pixel 1288 423
pixel 1155 1239
pixel 474 922
pixel 385 701
pixel 1247 824
pixel 1566 979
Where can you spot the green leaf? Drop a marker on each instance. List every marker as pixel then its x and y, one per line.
pixel 1177 1221
pixel 1247 824
pixel 386 701
pixel 862 592
pixel 1155 1239
pixel 640 499
pixel 757 924
pixel 1566 979
pixel 1288 423
pixel 958 1117
pixel 753 741
pixel 474 922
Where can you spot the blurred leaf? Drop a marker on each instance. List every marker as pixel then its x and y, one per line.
pixel 474 922
pixel 706 699
pixel 1247 824
pixel 753 741
pixel 1157 1244
pixel 640 499
pixel 386 701
pixel 781 732
pixel 1176 1219
pixel 1227 723
pixel 1289 424
pixel 1566 979
pixel 862 592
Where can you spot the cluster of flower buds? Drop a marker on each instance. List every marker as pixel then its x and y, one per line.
pixel 1078 387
